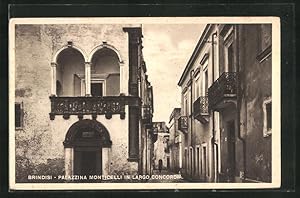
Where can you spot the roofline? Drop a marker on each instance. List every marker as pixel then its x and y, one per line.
pixel 194 54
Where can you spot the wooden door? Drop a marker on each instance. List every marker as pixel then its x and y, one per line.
pixel 231 149
pixel 87 161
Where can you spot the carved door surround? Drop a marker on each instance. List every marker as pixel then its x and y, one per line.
pixel 87 146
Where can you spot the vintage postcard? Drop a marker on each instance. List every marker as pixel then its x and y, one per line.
pixel 144 103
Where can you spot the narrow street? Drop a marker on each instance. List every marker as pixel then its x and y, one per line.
pixel 166 177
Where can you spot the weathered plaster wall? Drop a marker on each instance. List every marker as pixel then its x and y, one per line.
pixel 258 87
pixel 32 82
pixel 255 86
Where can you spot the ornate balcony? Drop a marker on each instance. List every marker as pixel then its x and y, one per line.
pixel 183 123
pixel 146 114
pixel 223 91
pixel 200 109
pixel 107 105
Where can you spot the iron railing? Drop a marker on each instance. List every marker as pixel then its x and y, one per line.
pixel 200 106
pixel 200 109
pixel 224 86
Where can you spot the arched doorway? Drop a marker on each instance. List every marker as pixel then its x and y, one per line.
pixel 87 145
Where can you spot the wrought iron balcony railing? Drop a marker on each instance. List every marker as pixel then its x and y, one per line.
pixel 107 105
pixel 200 109
pixel 183 123
pixel 223 88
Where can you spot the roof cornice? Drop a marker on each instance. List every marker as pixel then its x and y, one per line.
pixel 197 49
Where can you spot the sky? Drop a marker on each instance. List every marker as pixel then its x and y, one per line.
pixel 167 49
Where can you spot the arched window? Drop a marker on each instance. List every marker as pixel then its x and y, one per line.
pixel 97 75
pixel 70 70
pixel 105 73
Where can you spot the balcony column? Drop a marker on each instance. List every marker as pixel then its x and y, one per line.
pixel 123 89
pixel 53 78
pixel 87 78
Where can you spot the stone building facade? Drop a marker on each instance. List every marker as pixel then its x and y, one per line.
pixel 161 148
pixel 83 103
pixel 202 125
pixel 175 141
pixel 227 103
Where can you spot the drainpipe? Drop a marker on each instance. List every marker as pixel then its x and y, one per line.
pixel 191 101
pixel 239 100
pixel 146 154
pixel 213 113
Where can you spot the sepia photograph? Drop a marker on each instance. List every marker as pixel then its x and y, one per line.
pixel 144 103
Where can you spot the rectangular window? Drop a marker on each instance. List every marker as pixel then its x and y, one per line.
pixel 206 82
pixel 229 50
pixel 266 36
pixel 204 172
pixel 191 161
pixel 267 110
pixel 230 58
pixel 18 115
pixel 205 79
pixel 198 165
pixel 197 89
pixel 269 115
pixel 264 42
pixel 186 160
pixel 186 104
pixel 97 89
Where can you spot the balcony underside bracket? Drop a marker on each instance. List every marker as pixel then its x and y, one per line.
pixel 204 118
pixel 225 103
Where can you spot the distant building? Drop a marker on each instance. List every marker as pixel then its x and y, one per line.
pixel 147 136
pixel 175 143
pixel 227 103
pixel 83 103
pixel 161 149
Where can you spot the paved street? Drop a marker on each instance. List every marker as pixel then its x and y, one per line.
pixel 166 177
